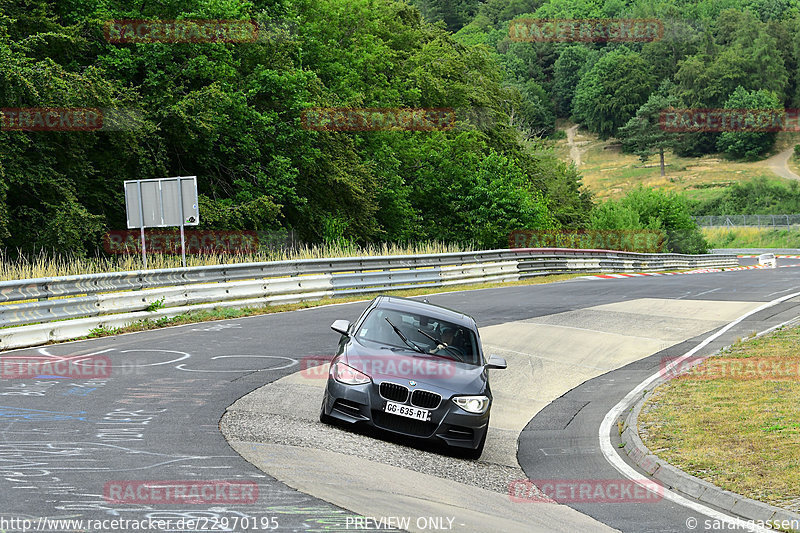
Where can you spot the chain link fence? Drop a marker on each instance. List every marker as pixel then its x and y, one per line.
pixel 759 221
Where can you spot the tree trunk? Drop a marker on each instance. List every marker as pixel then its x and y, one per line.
pixel 661 153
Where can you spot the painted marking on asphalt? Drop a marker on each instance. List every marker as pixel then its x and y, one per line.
pixel 784 290
pixel 184 355
pixel 708 291
pixel 777 256
pixel 697 271
pixel 291 362
pixel 576 450
pixel 628 471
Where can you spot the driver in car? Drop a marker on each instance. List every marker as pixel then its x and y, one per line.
pixel 447 339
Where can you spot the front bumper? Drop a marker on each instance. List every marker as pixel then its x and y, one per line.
pixel 363 405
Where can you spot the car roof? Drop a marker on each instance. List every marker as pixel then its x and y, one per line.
pixel 425 308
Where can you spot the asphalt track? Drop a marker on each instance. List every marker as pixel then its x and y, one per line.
pixel 156 416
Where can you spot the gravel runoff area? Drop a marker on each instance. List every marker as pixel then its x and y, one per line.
pixel 250 420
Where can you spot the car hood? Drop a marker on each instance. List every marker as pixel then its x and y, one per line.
pixel 438 372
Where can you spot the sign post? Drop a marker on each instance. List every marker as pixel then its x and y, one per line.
pixel 159 203
pixel 183 240
pixel 141 217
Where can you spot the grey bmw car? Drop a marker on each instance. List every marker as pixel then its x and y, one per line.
pixel 415 369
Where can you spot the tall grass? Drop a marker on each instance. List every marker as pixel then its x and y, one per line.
pixel 752 238
pixel 44 264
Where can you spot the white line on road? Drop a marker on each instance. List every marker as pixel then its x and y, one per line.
pixel 784 290
pixel 708 291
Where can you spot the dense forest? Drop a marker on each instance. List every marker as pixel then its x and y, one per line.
pixel 230 113
pixel 735 54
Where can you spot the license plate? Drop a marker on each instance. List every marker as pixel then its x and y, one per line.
pixel 406 411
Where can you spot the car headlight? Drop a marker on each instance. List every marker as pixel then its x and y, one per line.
pixel 472 404
pixel 348 375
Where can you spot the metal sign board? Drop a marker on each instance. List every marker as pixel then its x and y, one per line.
pixel 162 202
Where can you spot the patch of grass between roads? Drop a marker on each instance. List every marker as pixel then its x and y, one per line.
pixel 737 430
pixel 223 313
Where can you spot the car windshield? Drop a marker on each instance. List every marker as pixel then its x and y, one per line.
pixel 434 336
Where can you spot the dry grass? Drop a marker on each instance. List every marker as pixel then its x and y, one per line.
pixel 43 265
pixel 743 237
pixel 609 173
pixel 740 434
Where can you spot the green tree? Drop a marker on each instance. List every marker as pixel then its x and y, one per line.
pixel 474 197
pixel 230 113
pixel 454 13
pixel 502 200
pixel 749 144
pixel 742 53
pixel 645 208
pixel 611 92
pixel 680 39
pixel 757 197
pixel 530 109
pixel 572 64
pixel 643 134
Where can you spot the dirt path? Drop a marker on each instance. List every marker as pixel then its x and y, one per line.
pixel 777 163
pixel 574 152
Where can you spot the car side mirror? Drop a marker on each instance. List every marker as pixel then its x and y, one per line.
pixel 496 362
pixel 341 326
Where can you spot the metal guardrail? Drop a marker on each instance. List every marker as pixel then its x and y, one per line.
pixel 120 298
pixel 761 221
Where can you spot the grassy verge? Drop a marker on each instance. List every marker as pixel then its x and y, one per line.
pixel 192 317
pixel 739 432
pixel 752 238
pixel 794 164
pixel 44 265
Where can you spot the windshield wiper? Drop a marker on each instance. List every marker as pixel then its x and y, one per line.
pixel 405 340
pixel 443 344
